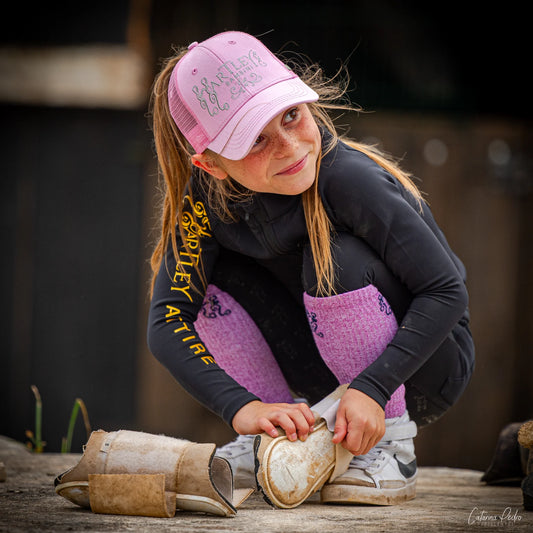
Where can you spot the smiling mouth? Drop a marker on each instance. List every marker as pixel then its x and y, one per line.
pixel 294 168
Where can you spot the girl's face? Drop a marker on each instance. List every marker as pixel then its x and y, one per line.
pixel 282 160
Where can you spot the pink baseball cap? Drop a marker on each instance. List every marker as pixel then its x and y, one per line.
pixel 226 89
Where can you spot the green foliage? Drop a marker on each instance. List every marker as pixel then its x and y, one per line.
pixel 36 443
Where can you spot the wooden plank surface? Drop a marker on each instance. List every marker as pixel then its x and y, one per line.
pixel 447 500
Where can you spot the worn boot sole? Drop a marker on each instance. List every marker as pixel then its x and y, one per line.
pixel 189 474
pixel 289 472
pixel 357 494
pixel 76 492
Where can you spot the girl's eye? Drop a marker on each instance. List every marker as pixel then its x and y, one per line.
pixel 291 115
pixel 258 140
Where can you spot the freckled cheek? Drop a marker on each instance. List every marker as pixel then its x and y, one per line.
pixel 258 166
pixel 250 173
pixel 310 133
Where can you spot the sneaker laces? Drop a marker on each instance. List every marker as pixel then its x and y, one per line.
pixel 375 456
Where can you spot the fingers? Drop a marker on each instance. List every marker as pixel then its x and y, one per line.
pixel 309 415
pixel 297 420
pixel 357 439
pixel 266 426
pixel 358 436
pixel 341 429
pixel 360 423
pixel 363 435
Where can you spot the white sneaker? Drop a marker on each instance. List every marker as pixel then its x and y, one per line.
pixel 386 475
pixel 240 455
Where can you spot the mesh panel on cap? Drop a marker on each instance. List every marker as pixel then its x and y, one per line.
pixel 187 124
pixel 182 115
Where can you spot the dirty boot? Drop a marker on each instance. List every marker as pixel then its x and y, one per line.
pixel 289 472
pixel 129 472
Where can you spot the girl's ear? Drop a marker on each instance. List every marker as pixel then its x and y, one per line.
pixel 207 163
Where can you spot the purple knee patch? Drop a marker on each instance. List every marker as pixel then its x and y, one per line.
pixel 351 330
pixel 239 347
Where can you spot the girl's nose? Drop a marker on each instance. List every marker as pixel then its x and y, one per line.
pixel 286 144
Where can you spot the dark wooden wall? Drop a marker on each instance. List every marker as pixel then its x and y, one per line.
pixel 71 219
pixel 78 207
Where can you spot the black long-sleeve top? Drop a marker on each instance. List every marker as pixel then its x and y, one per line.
pixel 360 197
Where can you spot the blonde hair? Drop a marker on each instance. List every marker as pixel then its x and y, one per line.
pixel 173 152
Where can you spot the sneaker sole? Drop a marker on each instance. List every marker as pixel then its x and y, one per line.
pixel 357 494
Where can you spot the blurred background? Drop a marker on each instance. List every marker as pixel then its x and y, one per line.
pixel 444 90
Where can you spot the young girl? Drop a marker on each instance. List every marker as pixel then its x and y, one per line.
pixel 291 260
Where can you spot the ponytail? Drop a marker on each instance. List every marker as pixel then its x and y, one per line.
pixel 173 153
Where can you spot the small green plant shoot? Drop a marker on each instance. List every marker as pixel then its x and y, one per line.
pixel 66 442
pixel 36 443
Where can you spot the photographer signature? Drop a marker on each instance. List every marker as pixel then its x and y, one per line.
pixel 481 516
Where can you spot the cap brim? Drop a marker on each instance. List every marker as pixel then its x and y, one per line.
pixel 238 136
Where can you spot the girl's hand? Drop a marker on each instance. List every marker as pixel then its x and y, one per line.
pixel 296 419
pixel 360 422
